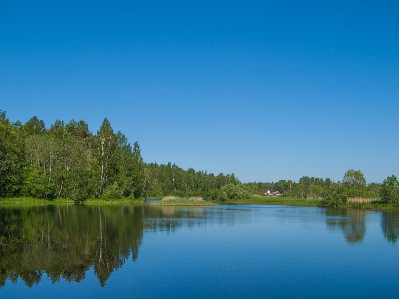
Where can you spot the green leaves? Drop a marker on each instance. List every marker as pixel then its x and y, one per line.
pixel 354 178
pixel 391 181
pixel 389 191
pixel 232 192
pixel 334 196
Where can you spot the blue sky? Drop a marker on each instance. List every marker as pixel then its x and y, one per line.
pixel 266 90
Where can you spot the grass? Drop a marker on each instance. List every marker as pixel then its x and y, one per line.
pixel 181 202
pixel 356 203
pixel 33 201
pixel 373 204
pixel 277 200
pixel 97 201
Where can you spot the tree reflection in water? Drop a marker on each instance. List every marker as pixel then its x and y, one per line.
pixel 351 221
pixel 66 241
pixel 390 225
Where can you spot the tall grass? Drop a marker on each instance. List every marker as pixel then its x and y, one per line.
pixel 278 200
pixel 191 201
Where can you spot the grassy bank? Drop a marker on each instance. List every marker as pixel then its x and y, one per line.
pixel 97 201
pixel 370 204
pixel 278 200
pixel 181 202
pixel 33 201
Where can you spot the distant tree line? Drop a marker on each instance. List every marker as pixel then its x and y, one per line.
pixel 353 185
pixel 69 161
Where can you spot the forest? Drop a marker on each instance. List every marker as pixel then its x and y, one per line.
pixel 68 161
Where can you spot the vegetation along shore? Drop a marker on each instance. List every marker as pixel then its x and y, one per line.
pixel 66 163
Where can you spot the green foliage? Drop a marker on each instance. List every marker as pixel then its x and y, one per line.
pixel 68 161
pixel 232 192
pixel 107 154
pixel 113 191
pixel 11 157
pixel 391 181
pixel 305 190
pixel 37 185
pixel 282 185
pixel 354 178
pixel 334 196
pixel 389 192
pixel 170 179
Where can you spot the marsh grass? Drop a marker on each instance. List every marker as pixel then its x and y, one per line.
pixel 361 200
pixel 96 201
pixel 277 200
pixel 191 201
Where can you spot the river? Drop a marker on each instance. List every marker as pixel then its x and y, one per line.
pixel 226 251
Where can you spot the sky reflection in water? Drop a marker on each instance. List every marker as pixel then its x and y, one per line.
pixel 200 252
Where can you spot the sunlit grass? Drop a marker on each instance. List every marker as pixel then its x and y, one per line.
pixel 277 200
pixel 97 201
pixel 181 202
pixel 33 201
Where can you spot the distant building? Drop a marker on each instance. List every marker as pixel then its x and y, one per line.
pixel 271 192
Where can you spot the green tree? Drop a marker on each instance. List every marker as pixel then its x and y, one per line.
pixel 232 192
pixel 334 196
pixel 282 185
pixel 34 126
pixel 355 182
pixel 389 192
pixel 354 178
pixel 391 181
pixel 107 154
pixel 11 158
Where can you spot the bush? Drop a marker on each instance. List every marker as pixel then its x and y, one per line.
pixel 231 192
pixel 334 196
pixel 113 191
pixel 389 194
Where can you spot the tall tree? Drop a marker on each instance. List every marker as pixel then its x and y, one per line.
pixel 354 178
pixel 11 157
pixel 107 154
pixel 137 175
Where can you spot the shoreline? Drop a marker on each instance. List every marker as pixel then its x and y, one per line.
pixel 283 201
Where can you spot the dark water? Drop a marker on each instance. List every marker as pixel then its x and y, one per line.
pixel 200 252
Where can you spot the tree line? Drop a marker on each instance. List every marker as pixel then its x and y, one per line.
pixel 330 193
pixel 68 161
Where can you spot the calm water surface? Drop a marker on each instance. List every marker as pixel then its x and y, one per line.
pixel 238 251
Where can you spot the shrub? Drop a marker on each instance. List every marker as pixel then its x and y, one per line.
pixel 389 194
pixel 231 192
pixel 334 196
pixel 113 191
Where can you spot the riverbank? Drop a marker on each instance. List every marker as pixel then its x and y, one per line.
pixel 34 201
pixel 278 200
pixel 369 204
pixel 181 202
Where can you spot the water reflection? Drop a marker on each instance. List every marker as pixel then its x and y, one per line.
pixel 390 225
pixel 351 221
pixel 64 242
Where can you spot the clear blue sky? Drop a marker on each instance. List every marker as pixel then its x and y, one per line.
pixel 266 90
